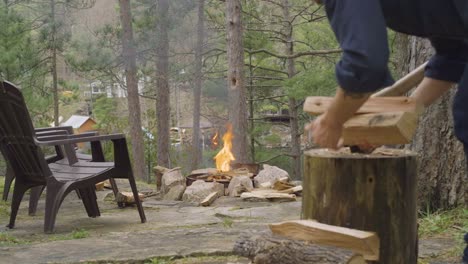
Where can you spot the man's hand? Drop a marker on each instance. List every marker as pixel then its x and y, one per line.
pixel 325 132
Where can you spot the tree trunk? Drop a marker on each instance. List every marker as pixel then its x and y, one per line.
pixel 236 85
pixel 442 170
pixel 375 192
pixel 197 152
pixel 54 63
pixel 129 57
pixel 162 82
pixel 293 118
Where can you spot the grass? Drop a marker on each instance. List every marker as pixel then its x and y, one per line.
pixel 450 224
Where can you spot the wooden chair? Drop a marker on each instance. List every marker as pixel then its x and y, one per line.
pixel 22 150
pixel 58 155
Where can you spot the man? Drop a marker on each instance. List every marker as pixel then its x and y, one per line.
pixel 360 28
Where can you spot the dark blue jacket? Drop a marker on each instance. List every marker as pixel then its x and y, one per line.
pixel 360 28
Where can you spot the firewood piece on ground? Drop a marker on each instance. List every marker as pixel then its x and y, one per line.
pixel 380 129
pixel 209 199
pixel 127 197
pixel 316 105
pixel 100 186
pixel 265 248
pixel 295 190
pixel 268 196
pixel 282 185
pixel 266 185
pixel 362 242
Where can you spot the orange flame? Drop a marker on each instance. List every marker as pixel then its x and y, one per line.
pixel 225 156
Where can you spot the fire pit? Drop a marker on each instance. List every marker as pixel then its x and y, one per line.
pixel 225 168
pixel 213 175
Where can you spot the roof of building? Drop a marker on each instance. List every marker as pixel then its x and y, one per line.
pixel 76 121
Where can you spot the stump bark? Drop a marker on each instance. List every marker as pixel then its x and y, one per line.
pixel 375 192
pixel 265 248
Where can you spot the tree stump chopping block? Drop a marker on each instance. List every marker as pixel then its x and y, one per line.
pixel 372 192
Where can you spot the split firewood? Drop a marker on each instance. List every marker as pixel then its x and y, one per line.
pixel 282 185
pixel 127 197
pixel 316 105
pixel 265 248
pixel 100 186
pixel 266 185
pixel 365 243
pixel 295 190
pixel 268 196
pixel 380 129
pixel 209 199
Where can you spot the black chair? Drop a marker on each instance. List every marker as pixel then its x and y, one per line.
pixel 22 151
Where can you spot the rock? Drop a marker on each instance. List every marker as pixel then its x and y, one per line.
pixel 175 193
pixel 200 189
pixel 238 185
pixel 159 171
pixel 173 184
pixel 269 174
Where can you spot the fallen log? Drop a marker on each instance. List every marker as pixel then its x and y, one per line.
pixel 365 243
pixel 265 248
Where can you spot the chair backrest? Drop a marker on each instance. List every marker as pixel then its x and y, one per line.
pixel 17 137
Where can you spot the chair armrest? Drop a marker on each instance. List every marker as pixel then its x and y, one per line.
pixel 64 139
pixel 50 133
pixel 69 129
pixel 60 135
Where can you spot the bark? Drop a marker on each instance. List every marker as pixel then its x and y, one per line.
pixel 442 167
pixel 265 248
pixel 236 85
pixel 197 152
pixel 162 82
pixel 293 116
pixel 129 57
pixel 54 63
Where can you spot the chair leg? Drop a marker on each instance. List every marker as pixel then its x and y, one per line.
pixel 115 190
pixel 18 194
pixel 89 199
pixel 56 192
pixel 137 198
pixel 9 176
pixel 34 197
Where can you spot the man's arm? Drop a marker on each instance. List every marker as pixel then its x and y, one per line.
pixel 360 29
pixel 327 128
pixel 430 90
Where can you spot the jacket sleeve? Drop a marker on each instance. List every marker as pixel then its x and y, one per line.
pixel 449 62
pixel 360 29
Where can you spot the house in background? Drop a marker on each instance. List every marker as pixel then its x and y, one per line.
pixel 80 124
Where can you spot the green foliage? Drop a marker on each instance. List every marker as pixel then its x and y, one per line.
pixel 316 81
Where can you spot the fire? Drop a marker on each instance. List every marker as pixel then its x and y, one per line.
pixel 225 156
